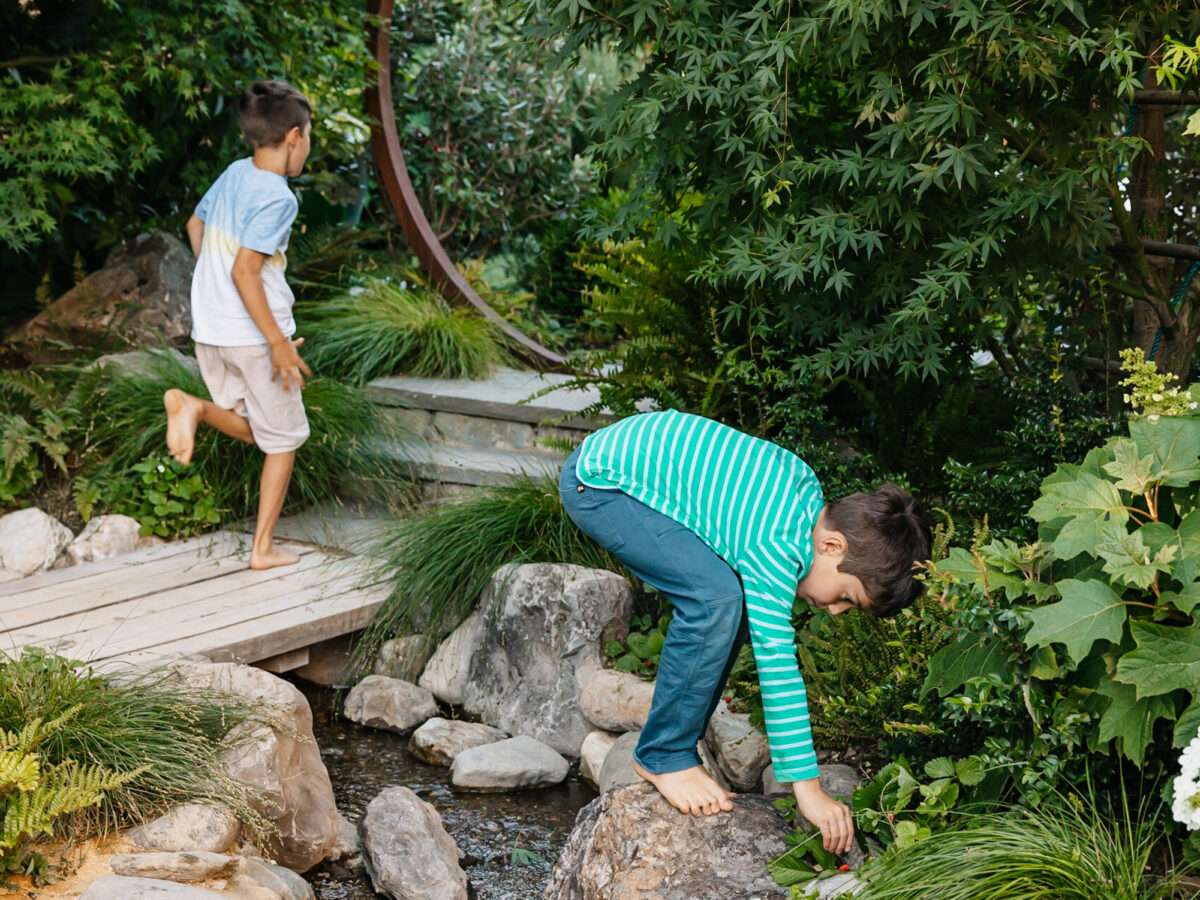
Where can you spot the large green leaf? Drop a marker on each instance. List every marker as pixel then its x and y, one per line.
pixel 1187 726
pixel 1134 473
pixel 1088 504
pixel 1184 600
pixel 1166 658
pixel 1128 560
pixel 971 656
pixel 1090 611
pixel 1174 442
pixel 1132 719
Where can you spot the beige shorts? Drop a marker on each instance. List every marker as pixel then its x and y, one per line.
pixel 239 378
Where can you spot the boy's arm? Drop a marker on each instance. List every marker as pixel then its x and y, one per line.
pixel 247 278
pixel 195 233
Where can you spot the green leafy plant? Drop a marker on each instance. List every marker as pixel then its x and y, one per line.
pixel 390 329
pixel 169 499
pixel 33 795
pixel 33 428
pixel 440 558
pixel 641 649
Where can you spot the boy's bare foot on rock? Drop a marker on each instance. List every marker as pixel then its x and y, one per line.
pixel 690 790
pixel 273 556
pixel 183 417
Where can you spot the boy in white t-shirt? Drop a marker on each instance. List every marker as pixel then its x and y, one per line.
pixel 242 306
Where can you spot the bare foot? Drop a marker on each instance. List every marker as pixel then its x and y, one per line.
pixel 273 556
pixel 183 416
pixel 690 790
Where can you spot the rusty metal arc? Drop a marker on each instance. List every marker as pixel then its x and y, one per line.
pixel 398 187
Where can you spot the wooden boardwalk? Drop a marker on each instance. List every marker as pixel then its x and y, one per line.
pixel 194 596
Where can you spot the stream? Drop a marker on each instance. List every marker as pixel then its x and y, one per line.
pixel 487 827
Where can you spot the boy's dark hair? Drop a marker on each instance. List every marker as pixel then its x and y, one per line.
pixel 887 535
pixel 270 109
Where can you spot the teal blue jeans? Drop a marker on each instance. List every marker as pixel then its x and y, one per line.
pixel 707 630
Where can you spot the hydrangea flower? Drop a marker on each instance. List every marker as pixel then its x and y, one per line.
pixel 1186 808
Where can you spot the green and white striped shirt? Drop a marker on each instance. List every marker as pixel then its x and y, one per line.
pixel 753 503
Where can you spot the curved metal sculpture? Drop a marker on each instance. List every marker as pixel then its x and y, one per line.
pixel 389 158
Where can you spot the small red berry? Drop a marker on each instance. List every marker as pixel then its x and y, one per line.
pixel 891 817
pixel 844 867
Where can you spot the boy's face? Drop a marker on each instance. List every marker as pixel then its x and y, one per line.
pixel 824 587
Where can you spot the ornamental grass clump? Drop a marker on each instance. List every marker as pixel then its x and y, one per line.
pixel 162 738
pixel 1065 850
pixel 440 558
pixel 389 329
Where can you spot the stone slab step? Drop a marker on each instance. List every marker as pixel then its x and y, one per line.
pixel 507 395
pixel 476 465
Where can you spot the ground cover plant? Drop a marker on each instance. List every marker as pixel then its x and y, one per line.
pixel 145 740
pixel 440 558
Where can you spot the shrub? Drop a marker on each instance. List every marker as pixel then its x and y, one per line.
pixel 440 559
pixel 122 422
pixel 168 500
pixel 33 425
pixel 163 739
pixel 390 329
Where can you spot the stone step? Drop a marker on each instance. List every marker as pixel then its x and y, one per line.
pixel 475 465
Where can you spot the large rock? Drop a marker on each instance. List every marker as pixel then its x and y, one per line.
pixel 616 701
pixel 405 657
pixel 631 844
pixel 407 852
pixel 140 298
pixel 741 750
pixel 257 879
pixel 592 754
pixel 30 541
pixel 837 780
pixel 188 826
pixel 119 887
pixel 618 764
pixel 546 627
pixel 291 784
pixel 439 741
pixel 189 866
pixel 511 765
pixel 449 669
pixel 389 703
pixel 102 537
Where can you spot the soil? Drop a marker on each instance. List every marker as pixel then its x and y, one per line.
pixel 86 862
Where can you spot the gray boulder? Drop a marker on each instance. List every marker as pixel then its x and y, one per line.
pixel 592 755
pixel 439 741
pixel 407 852
pixel 449 669
pixel 514 764
pixel 189 826
pixel 141 297
pixel 257 878
pixel 30 541
pixel 617 769
pixel 102 537
pixel 195 865
pixel 389 703
pixel 616 701
pixel 546 627
pixel 119 887
pixel 405 657
pixel 630 844
pixel 741 751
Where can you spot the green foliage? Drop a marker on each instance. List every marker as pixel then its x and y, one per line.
pixel 487 121
pixel 390 329
pixel 440 559
pixel 162 738
pixel 169 499
pixel 1069 849
pixel 122 422
pixel 642 647
pixel 128 111
pixel 34 796
pixel 33 426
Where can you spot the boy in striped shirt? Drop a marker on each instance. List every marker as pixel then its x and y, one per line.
pixel 733 529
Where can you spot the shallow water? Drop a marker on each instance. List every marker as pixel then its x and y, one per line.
pixel 487 827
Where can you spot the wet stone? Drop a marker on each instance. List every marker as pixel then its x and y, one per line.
pixel 389 703
pixel 439 741
pixel 520 762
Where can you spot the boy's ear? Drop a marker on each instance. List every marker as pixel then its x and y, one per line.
pixel 833 543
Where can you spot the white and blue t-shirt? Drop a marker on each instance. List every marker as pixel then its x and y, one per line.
pixel 245 207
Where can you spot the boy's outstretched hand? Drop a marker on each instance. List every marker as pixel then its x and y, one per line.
pixel 286 362
pixel 833 818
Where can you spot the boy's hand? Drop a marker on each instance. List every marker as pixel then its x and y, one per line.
pixel 286 362
pixel 833 818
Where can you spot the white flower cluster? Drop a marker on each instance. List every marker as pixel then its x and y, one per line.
pixel 1186 808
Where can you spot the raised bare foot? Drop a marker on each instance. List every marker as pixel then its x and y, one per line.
pixel 273 556
pixel 690 790
pixel 183 416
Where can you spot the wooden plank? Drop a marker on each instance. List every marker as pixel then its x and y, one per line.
pixel 117 586
pixel 285 662
pixel 146 606
pixel 235 617
pixel 218 543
